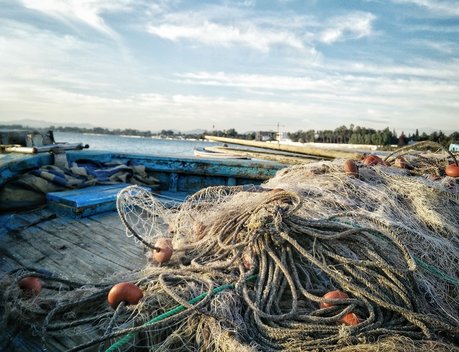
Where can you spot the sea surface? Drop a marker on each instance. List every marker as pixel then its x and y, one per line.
pixel 130 144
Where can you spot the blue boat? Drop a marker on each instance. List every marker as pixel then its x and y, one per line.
pixel 312 263
pixel 58 212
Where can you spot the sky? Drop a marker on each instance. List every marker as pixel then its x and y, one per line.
pixel 249 65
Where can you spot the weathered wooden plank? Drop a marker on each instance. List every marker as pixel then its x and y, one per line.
pixel 87 196
pixel 15 256
pixel 110 244
pixel 7 263
pixel 85 202
pixel 114 239
pixel 17 222
pixel 60 243
pixel 26 253
pixel 57 255
pixel 108 221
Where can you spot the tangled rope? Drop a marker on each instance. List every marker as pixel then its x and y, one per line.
pixel 253 266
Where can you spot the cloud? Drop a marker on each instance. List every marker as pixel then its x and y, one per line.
pixel 253 81
pixel 206 31
pixel 43 59
pixel 380 99
pixel 353 26
pixel 444 70
pixel 439 7
pixel 86 11
pixel 383 102
pixel 231 26
pixel 358 79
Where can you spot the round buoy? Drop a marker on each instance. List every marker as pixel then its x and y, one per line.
pixel 124 292
pixel 452 170
pixel 163 252
pixel 30 285
pixel 372 160
pixel 337 294
pixel 350 168
pixel 350 319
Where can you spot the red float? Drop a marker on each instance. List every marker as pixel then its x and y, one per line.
pixel 337 294
pixel 30 285
pixel 124 292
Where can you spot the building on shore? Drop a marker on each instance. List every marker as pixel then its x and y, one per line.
pixel 454 147
pixel 264 136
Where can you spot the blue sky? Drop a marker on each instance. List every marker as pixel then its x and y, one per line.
pixel 248 65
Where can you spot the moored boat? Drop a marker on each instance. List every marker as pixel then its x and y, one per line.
pixel 59 218
pixel 207 153
pixel 324 256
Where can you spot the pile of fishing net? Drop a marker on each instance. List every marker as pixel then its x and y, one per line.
pixel 315 259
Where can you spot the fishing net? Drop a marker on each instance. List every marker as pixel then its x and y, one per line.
pixel 251 266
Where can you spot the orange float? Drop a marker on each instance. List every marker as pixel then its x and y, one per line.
pixel 350 168
pixel 337 294
pixel 124 292
pixel 163 252
pixel 452 170
pixel 350 319
pixel 372 160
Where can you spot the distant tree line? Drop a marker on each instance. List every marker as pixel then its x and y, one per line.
pixel 231 133
pixel 101 130
pixel 362 135
pixel 352 134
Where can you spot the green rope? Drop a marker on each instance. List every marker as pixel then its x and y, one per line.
pixel 172 312
pixel 430 268
pixel 436 272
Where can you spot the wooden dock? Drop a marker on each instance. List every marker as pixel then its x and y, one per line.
pixel 307 150
pixel 280 157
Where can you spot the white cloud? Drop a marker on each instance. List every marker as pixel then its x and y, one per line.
pixel 440 7
pixel 86 11
pixel 446 47
pixel 42 58
pixel 208 32
pixel 321 102
pixel 422 68
pixel 229 26
pixel 353 26
pixel 345 86
pixel 252 81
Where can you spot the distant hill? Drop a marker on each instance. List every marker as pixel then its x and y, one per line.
pixel 45 124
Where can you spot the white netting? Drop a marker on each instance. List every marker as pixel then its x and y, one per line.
pixel 251 265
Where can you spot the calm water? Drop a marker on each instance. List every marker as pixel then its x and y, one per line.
pixel 134 144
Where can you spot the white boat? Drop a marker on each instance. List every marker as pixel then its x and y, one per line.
pixel 205 153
